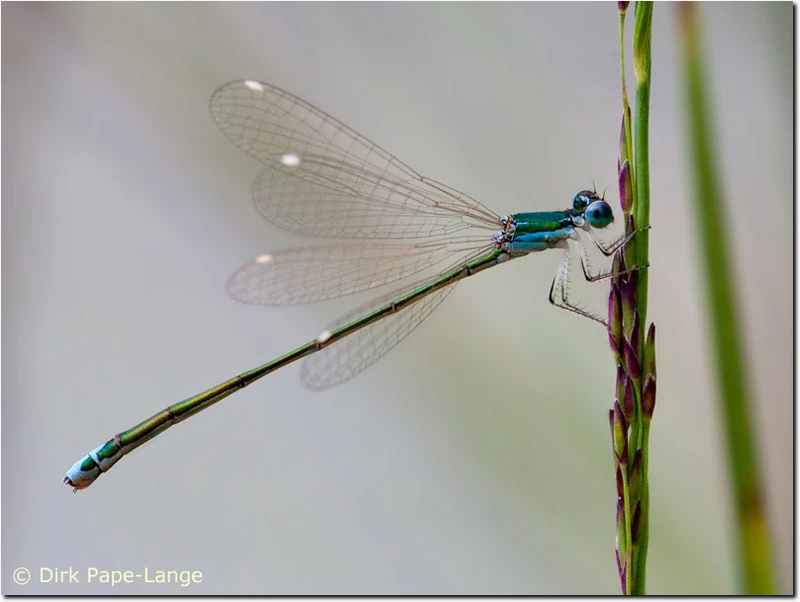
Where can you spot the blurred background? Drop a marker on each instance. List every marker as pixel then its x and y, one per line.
pixel 475 458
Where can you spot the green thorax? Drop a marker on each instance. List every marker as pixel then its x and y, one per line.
pixel 541 221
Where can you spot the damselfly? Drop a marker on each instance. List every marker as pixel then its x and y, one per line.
pixel 323 179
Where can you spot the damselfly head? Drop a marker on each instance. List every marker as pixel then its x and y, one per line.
pixel 591 206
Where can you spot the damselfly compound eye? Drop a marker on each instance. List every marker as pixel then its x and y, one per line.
pixel 582 198
pixel 599 214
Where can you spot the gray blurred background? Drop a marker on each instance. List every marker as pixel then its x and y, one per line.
pixel 475 458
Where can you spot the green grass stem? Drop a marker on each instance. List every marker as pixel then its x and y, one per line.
pixel 754 545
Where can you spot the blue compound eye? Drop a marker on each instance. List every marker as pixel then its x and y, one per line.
pixel 599 214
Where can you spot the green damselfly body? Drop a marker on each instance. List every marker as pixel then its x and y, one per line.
pixel 322 179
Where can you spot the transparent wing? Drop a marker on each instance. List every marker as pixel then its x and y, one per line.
pixel 344 359
pixel 324 179
pixel 319 272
